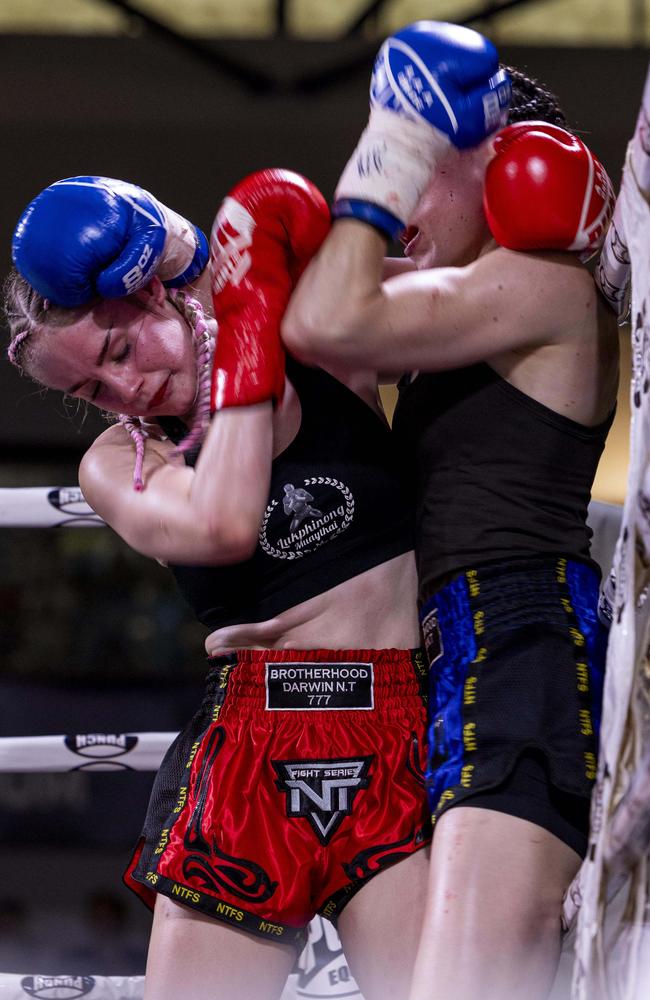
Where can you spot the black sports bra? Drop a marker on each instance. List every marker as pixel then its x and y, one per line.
pixel 336 508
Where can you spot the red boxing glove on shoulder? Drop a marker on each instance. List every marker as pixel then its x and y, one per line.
pixel 545 190
pixel 266 231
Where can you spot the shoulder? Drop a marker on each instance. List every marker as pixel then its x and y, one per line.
pixel 552 290
pixel 557 269
pixel 511 276
pixel 105 450
pixel 110 459
pixel 116 441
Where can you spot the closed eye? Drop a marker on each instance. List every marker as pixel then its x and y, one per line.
pixel 122 356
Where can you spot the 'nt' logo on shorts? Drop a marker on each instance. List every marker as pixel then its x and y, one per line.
pixel 322 791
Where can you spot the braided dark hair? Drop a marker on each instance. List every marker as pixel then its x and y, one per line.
pixel 531 101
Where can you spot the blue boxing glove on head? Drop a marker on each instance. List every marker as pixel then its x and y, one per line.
pixel 89 236
pixel 433 85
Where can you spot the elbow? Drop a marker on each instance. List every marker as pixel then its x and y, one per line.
pixel 316 340
pixel 229 539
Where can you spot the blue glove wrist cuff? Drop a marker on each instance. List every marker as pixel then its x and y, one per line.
pixel 354 208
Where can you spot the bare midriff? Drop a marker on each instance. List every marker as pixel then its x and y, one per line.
pixel 374 610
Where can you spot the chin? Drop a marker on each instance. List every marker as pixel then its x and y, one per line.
pixel 425 260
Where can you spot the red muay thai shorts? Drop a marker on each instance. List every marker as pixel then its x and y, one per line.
pixel 300 778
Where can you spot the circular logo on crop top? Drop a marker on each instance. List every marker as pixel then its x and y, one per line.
pixel 307 516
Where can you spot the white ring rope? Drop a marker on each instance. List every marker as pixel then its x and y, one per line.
pixel 22 985
pixel 83 752
pixel 45 507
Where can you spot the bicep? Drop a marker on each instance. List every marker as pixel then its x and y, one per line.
pixel 145 519
pixel 448 318
pixel 207 515
pixel 431 319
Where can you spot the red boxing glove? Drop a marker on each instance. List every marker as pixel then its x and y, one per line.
pixel 545 190
pixel 266 231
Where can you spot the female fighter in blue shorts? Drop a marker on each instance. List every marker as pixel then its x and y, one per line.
pixel 502 423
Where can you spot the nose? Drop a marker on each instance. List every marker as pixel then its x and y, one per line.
pixel 123 383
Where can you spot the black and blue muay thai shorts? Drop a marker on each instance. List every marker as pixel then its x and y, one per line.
pixel 517 656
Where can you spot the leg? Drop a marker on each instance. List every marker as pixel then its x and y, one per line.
pixel 380 928
pixel 492 922
pixel 191 955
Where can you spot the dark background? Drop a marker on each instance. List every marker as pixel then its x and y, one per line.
pixel 93 637
pixel 145 110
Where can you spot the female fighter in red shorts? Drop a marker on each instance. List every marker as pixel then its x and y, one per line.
pixel 284 520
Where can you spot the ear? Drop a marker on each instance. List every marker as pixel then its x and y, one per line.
pixel 490 147
pixel 153 293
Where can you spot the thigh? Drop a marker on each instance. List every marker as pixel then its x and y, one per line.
pixel 486 858
pixel 380 928
pixel 191 955
pixel 492 923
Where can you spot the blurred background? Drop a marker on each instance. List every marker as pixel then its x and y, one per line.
pixel 185 97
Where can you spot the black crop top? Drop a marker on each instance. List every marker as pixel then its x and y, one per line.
pixel 496 474
pixel 336 508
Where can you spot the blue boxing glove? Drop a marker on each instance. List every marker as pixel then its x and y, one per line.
pixel 433 85
pixel 89 236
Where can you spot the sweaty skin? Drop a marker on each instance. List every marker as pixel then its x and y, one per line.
pixel 139 359
pixel 537 319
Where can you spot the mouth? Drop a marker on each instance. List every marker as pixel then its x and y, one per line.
pixel 158 397
pixel 409 239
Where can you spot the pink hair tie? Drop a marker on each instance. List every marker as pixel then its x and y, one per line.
pixel 12 350
pixel 193 312
pixel 137 433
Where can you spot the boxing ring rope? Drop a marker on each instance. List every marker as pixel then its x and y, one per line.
pixel 83 752
pixel 46 507
pixel 18 987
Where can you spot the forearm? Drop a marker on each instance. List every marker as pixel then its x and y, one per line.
pixel 229 490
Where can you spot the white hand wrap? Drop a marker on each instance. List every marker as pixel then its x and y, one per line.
pixel 392 163
pixel 180 244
